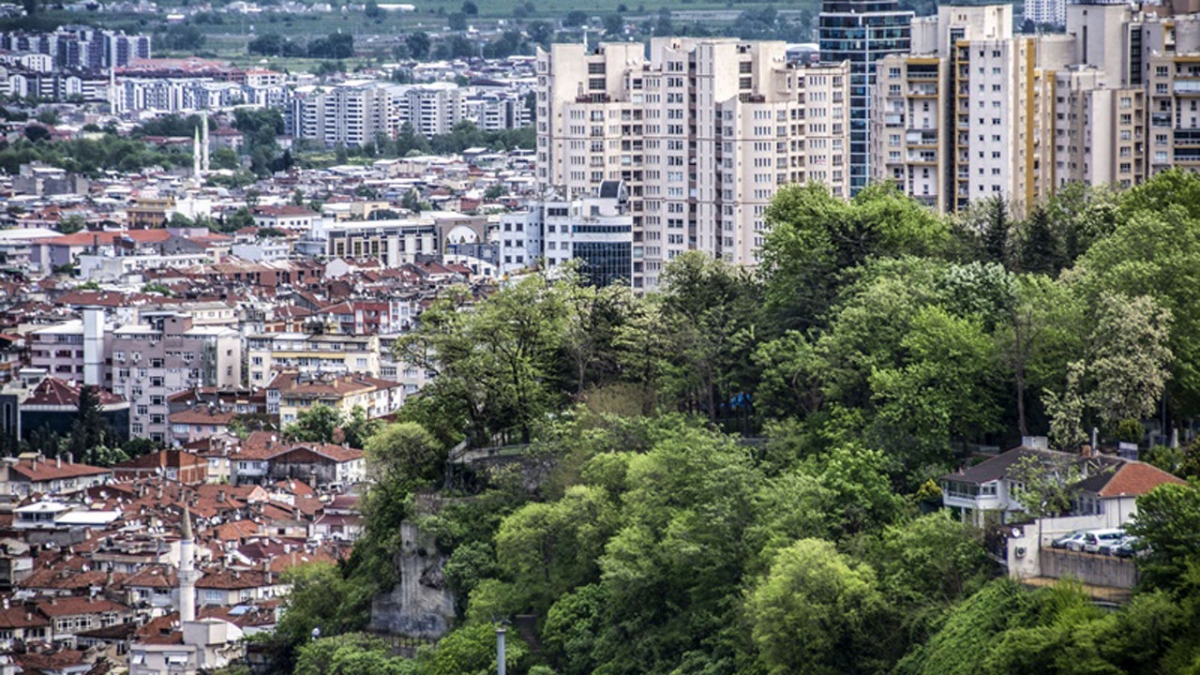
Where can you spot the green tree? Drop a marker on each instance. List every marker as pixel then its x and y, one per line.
pixel 90 432
pixel 350 653
pixel 815 237
pixel 404 452
pixel 1167 524
pixel 548 549
pixel 1046 484
pixel 1130 356
pixel 318 424
pixel 72 224
pixel 1038 248
pixel 492 360
pixel 357 428
pixel 1156 254
pixel 471 650
pixel 418 43
pixel 943 392
pixel 1044 332
pixel 320 597
pixel 817 612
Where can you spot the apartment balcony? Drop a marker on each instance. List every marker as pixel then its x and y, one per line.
pixel 1161 121
pixel 922 137
pixel 922 157
pixel 1187 87
pixel 1188 155
pixel 923 90
pixel 1187 137
pixel 893 120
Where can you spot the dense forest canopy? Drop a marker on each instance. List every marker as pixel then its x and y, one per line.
pixel 743 466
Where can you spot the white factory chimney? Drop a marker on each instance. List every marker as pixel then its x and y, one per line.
pixel 93 346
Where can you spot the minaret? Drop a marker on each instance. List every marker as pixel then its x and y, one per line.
pixel 187 571
pixel 204 143
pixel 196 155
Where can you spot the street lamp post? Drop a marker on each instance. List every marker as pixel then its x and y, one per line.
pixel 500 664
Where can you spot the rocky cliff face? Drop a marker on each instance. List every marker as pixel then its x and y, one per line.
pixel 420 605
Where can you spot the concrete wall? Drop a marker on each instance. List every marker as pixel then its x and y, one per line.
pixel 1089 568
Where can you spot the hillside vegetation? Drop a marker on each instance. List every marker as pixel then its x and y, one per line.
pixel 745 464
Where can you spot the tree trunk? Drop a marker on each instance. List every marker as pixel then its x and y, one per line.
pixel 1022 425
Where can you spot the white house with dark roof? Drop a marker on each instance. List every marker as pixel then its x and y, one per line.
pixel 1106 490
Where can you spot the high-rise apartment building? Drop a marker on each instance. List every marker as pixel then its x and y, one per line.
pixel 975 112
pixel 702 134
pixel 360 112
pixel 1046 12
pixel 861 32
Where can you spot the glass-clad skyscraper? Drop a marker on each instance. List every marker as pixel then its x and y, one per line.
pixel 862 32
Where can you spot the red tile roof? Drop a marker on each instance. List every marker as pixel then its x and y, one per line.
pixel 233 579
pixel 1137 478
pixel 163 458
pixel 335 453
pixel 43 470
pixel 53 391
pixel 76 605
pixel 16 616
pixel 202 416
pixel 86 238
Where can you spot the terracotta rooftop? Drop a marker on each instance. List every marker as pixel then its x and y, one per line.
pixel 86 238
pixel 76 605
pixel 36 471
pixel 1137 478
pixel 335 453
pixel 202 416
pixel 163 458
pixel 53 391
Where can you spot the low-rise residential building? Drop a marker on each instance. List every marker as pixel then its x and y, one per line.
pixel 188 426
pixel 174 465
pixel 74 614
pixel 292 393
pixel 310 354
pixel 318 464
pixel 1104 485
pixel 33 473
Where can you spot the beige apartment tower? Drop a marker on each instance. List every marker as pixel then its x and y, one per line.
pixel 1110 102
pixel 702 132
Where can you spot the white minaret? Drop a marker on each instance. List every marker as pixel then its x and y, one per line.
pixel 187 571
pixel 196 155
pixel 204 143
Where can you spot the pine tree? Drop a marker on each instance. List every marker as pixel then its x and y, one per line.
pixel 1039 250
pixel 995 239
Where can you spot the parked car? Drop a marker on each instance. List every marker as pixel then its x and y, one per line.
pixel 1128 548
pixel 1064 540
pixel 1092 541
pixel 1111 547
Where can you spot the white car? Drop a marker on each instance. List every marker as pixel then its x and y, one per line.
pixel 1094 540
pixel 1065 540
